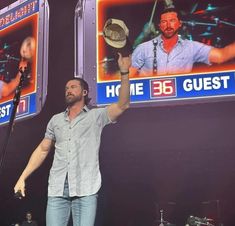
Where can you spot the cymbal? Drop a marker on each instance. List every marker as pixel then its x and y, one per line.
pixel 210 9
pixel 193 23
pixel 204 34
pixel 205 11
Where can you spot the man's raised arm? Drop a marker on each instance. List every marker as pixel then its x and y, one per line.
pixel 221 55
pixel 116 109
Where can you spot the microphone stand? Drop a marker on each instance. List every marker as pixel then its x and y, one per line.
pixel 161 218
pixel 16 100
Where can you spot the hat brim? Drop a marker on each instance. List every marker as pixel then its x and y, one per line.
pixel 115 44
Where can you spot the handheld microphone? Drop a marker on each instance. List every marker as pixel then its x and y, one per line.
pixel 18 195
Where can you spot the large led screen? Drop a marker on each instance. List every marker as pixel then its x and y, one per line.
pixel 23 47
pixel 182 51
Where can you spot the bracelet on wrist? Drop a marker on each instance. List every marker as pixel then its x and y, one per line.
pixel 124 72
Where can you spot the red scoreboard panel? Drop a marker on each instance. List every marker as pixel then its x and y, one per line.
pixel 23 42
pixel 202 23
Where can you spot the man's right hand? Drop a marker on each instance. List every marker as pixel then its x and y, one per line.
pixel 20 187
pixel 124 63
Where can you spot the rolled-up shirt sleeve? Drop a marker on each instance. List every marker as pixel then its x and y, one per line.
pixel 101 117
pixel 50 130
pixel 201 52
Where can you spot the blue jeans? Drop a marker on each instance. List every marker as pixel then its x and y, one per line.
pixel 59 208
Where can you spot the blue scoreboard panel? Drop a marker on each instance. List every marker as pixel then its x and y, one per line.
pixel 166 89
pixel 210 25
pixel 23 43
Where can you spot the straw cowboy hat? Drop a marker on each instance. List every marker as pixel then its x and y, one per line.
pixel 115 33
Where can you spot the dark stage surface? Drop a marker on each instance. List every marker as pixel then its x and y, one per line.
pixel 178 158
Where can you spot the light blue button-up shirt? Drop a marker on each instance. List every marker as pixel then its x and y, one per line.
pixel 179 60
pixel 76 151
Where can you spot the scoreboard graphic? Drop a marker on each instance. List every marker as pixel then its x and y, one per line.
pixel 205 23
pixel 179 88
pixel 23 46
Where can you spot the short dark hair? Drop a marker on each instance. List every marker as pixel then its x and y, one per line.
pixel 84 86
pixel 171 10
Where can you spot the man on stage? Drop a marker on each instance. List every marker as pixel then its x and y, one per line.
pixel 75 177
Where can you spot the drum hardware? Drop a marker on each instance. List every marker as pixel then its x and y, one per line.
pixel 162 221
pixel 197 221
pixel 210 9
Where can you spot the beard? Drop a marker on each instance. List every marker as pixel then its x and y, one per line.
pixel 70 100
pixel 169 32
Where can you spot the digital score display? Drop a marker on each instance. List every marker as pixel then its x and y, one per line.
pixel 23 45
pixel 203 27
pixel 185 87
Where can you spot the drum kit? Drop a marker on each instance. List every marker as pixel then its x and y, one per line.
pixel 207 25
pixel 164 222
pixel 196 221
pixel 191 221
pixel 211 208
